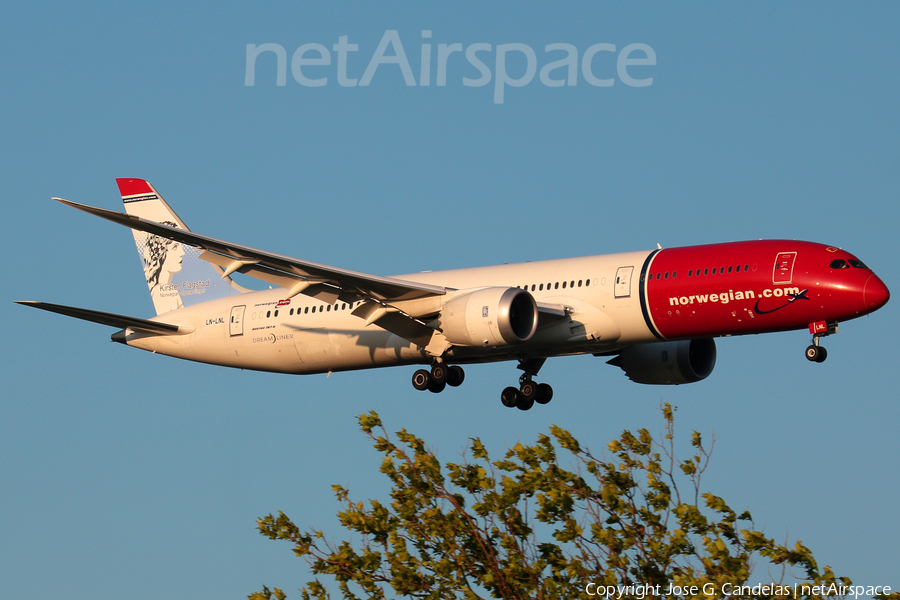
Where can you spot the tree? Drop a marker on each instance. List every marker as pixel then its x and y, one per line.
pixel 527 526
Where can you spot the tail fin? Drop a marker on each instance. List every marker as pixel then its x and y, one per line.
pixel 174 271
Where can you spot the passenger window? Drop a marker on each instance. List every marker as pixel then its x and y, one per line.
pixel 839 263
pixel 532 287
pixel 556 286
pixel 328 308
pixel 690 272
pixel 746 267
pixel 706 271
pixel 572 284
pixel 276 313
pixel 564 285
pixel 714 271
pixel 541 287
pixel 579 283
pixel 268 313
pixel 674 273
pixel 667 275
pixel 729 269
pixel 587 282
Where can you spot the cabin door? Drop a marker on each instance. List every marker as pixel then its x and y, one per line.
pixel 623 282
pixel 236 327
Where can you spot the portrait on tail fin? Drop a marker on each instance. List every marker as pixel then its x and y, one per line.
pixel 162 259
pixel 175 273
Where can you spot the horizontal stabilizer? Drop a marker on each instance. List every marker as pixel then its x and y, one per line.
pixel 95 316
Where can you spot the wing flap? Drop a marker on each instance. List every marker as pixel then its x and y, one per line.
pixel 113 320
pixel 397 322
pixel 550 312
pixel 294 284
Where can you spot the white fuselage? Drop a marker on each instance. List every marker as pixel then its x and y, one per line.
pixel 305 335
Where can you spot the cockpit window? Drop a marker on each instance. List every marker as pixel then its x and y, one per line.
pixel 839 263
pixel 857 264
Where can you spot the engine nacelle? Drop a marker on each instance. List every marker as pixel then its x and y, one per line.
pixel 495 316
pixel 668 363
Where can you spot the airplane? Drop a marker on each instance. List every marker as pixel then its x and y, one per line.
pixel 654 313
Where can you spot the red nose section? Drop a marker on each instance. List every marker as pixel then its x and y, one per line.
pixel 875 294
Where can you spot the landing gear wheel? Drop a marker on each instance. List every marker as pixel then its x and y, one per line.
pixel 510 397
pixel 816 353
pixel 455 376
pixel 544 393
pixel 439 373
pixel 437 386
pixel 524 403
pixel 528 391
pixel 421 379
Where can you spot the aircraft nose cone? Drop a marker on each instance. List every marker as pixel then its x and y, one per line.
pixel 875 294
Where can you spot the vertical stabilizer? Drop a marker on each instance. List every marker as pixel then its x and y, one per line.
pixel 174 271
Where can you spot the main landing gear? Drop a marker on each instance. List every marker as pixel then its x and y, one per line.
pixel 815 352
pixel 529 392
pixel 438 378
pixel 523 397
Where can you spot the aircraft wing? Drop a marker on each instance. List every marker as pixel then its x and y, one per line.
pixel 327 283
pixel 113 320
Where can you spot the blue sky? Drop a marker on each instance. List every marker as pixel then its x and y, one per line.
pixel 128 473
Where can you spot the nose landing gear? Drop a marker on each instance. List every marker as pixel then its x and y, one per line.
pixel 815 352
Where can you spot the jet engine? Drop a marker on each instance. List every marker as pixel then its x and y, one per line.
pixel 495 316
pixel 668 363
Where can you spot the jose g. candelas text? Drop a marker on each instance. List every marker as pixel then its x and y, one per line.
pixel 314 65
